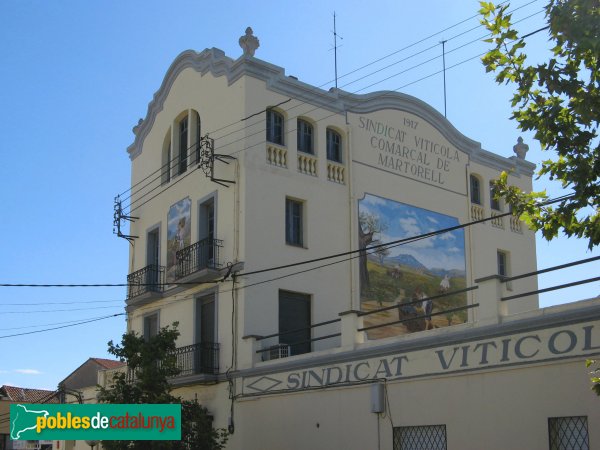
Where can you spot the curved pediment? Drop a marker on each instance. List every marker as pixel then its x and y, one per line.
pixel 215 61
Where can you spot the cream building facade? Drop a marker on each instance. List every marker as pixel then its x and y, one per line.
pixel 392 332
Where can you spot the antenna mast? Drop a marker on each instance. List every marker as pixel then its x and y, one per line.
pixel 335 49
pixel 444 62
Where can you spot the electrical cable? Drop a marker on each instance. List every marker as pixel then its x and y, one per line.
pixel 64 326
pixel 50 302
pixel 46 324
pixel 323 258
pixel 409 46
pixel 59 310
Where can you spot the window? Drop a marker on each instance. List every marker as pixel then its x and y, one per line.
pixel 183 144
pixel 502 263
pixel 150 326
pixel 153 259
pixel 431 437
pixel 494 202
pixel 334 146
pixel 206 232
pixel 294 222
pixel 305 137
pixel 475 190
pixel 274 127
pixel 294 321
pixel 568 433
pixel 205 355
pixel 166 159
pixel 197 135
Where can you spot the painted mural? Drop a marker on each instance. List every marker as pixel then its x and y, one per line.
pixel 408 274
pixel 178 234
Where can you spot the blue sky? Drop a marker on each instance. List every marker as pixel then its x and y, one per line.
pixel 76 77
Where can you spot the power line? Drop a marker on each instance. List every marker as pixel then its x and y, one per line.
pixel 50 302
pixel 323 258
pixel 58 310
pixel 45 324
pixel 64 326
pixel 289 99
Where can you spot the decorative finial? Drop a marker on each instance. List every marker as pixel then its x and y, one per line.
pixel 249 42
pixel 520 149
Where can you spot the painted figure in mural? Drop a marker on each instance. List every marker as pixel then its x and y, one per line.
pixel 426 305
pixel 181 233
pixel 444 284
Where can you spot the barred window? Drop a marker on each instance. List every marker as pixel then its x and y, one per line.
pixel 431 437
pixel 568 433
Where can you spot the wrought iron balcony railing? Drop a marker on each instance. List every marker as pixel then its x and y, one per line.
pixel 195 359
pixel 203 254
pixel 149 279
pixel 202 358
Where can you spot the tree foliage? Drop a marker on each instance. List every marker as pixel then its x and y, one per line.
pixel 559 100
pixel 595 378
pixel 150 364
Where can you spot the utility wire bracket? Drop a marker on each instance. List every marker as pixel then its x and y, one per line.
pixel 120 216
pixel 206 157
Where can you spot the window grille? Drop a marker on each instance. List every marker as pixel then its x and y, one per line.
pixel 568 433
pixel 430 437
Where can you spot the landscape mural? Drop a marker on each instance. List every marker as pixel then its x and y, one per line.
pixel 406 275
pixel 179 234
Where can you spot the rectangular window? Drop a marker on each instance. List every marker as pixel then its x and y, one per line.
pixel 334 146
pixel 294 321
pixel 152 258
pixel 274 127
pixel 431 437
pixel 294 222
pixel 150 326
pixel 205 356
pixel 568 433
pixel 305 137
pixel 504 267
pixel 502 263
pixel 183 144
pixel 207 233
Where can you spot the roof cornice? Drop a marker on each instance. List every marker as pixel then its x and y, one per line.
pixel 335 100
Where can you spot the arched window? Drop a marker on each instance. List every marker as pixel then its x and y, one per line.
pixel 305 137
pixel 475 190
pixel 166 162
pixel 494 202
pixel 274 127
pixel 183 143
pixel 334 145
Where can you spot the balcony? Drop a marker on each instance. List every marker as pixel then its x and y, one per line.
pixel 197 363
pixel 199 261
pixel 198 359
pixel 146 284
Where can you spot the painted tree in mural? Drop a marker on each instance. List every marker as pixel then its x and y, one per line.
pixel 146 381
pixel 560 101
pixel 368 226
pixel 381 253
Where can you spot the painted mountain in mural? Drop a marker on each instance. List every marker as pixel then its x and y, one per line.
pixel 406 260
